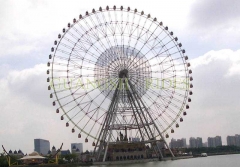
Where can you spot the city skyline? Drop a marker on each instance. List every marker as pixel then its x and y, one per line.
pixel 178 143
pixel 30 28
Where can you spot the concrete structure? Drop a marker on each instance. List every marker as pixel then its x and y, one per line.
pixel 135 139
pixel 211 142
pixel 41 146
pixel 192 142
pixel 214 141
pixel 53 152
pixel 218 141
pixel 233 140
pixel 76 147
pixel 161 145
pixel 17 154
pixel 195 142
pixel 179 143
pixel 199 142
pixel 65 152
pixel 125 151
pixel 205 144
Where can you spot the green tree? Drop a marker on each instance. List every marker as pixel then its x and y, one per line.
pixel 3 161
pixel 70 157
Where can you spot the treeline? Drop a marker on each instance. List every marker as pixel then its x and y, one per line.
pixel 214 150
pixel 3 161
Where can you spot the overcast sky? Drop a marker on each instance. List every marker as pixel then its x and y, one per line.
pixel 208 29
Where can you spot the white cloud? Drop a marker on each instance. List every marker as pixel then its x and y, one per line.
pixel 214 13
pixel 211 25
pixel 215 102
pixel 32 25
pixel 231 59
pixel 27 111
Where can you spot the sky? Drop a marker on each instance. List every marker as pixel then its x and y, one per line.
pixel 208 30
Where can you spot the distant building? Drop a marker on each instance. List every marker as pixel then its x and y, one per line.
pixel 76 147
pixel 237 140
pixel 192 142
pixel 161 145
pixel 41 146
pixel 199 142
pixel 184 143
pixel 205 144
pixel 211 142
pixel 195 142
pixel 65 152
pixel 135 139
pixel 179 143
pixel 53 152
pixel 18 154
pixel 218 141
pixel 233 140
pixel 214 141
pixel 172 143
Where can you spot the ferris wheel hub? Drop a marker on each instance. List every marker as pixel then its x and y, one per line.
pixel 123 73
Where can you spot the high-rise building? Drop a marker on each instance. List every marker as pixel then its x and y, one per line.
pixel 218 141
pixel 179 143
pixel 199 142
pixel 205 144
pixel 233 140
pixel 214 141
pixel 161 145
pixel 41 146
pixel 237 140
pixel 172 143
pixel 195 142
pixel 76 147
pixel 184 142
pixel 211 142
pixel 192 142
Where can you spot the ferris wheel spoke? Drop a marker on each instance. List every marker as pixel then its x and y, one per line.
pixel 169 108
pixel 167 124
pixel 146 40
pixel 86 94
pixel 105 30
pixel 158 121
pixel 89 119
pixel 101 43
pixel 159 55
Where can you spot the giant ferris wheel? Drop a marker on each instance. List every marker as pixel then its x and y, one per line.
pixel 118 69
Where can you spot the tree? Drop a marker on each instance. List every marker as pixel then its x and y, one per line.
pixel 70 157
pixel 3 161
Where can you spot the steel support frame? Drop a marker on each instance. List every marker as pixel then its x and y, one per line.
pixel 105 128
pixel 133 94
pixel 132 87
pixel 138 108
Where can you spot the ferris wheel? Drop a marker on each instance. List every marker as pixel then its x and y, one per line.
pixel 117 69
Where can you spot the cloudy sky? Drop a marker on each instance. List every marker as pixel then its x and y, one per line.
pixel 208 29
